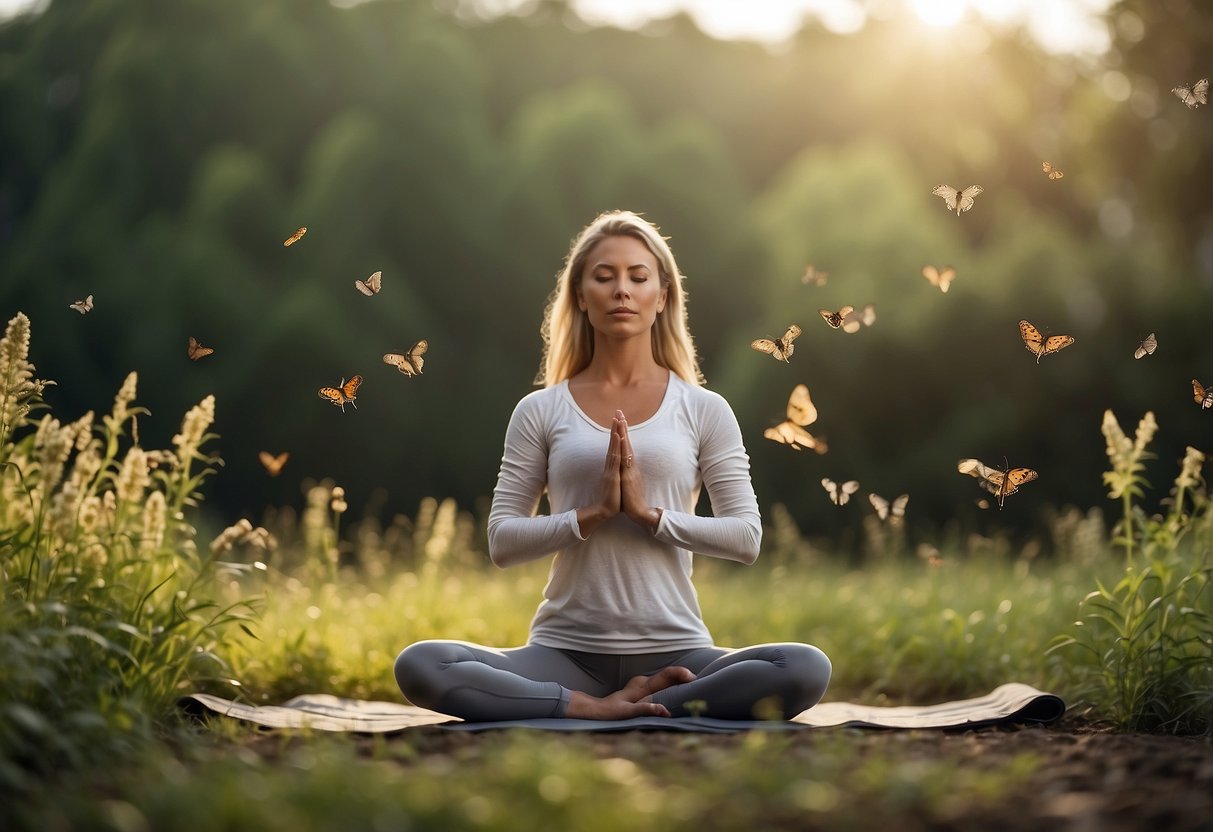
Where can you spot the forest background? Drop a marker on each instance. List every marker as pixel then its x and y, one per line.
pixel 157 154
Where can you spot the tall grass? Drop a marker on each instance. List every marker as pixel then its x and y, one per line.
pixel 1148 638
pixel 106 605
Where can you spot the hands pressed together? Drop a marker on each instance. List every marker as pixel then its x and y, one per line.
pixel 622 486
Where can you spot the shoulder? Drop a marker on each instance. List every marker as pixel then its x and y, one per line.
pixel 538 407
pixel 704 403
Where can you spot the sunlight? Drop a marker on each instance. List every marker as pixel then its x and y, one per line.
pixel 938 12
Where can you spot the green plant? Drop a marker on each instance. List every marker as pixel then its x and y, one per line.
pixel 106 605
pixel 1149 637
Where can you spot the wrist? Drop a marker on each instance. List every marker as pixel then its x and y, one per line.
pixel 652 519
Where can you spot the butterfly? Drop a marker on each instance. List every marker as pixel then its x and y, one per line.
pixel 958 200
pixel 371 285
pixel 1000 483
pixel 1194 95
pixel 801 413
pixel 835 319
pixel 83 306
pixel 854 320
pixel 273 464
pixel 1053 172
pixel 411 362
pixel 294 238
pixel 196 350
pixel 781 349
pixel 894 511
pixel 1038 345
pixel 813 277
pixel 839 494
pixel 940 278
pixel 1146 347
pixel 1203 396
pixel 345 391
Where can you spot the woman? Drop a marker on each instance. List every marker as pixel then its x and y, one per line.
pixel 622 436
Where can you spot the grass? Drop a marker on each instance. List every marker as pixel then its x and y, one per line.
pixel 111 607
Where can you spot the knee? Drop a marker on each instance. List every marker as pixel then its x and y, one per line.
pixel 417 667
pixel 810 669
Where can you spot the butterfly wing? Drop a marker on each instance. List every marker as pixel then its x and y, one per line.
pixel 813 277
pixel 949 194
pixel 801 410
pixel 941 279
pixel 83 306
pixel 196 350
pixel 294 238
pixel 415 352
pixel 371 285
pixel 1146 347
pixel 770 347
pixel 966 197
pixel 1032 339
pixel 834 319
pixel 847 488
pixel 332 394
pixel 1020 476
pixel 1056 343
pixel 789 433
pixel 899 505
pixel 880 504
pixel 350 388
pixel 831 488
pixel 1202 395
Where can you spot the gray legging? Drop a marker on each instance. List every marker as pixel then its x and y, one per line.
pixel 482 684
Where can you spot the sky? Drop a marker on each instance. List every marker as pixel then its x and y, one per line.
pixel 1058 25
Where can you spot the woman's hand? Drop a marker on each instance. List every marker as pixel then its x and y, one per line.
pixel 631 486
pixel 610 497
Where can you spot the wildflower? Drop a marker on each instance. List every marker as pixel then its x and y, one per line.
pixel 242 531
pixel 53 444
pixel 16 373
pixel 154 522
pixel 1189 469
pixel 337 504
pixel 193 429
pixel 133 477
pixel 122 404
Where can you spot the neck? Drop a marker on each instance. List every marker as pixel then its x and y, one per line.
pixel 623 362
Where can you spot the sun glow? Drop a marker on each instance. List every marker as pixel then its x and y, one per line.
pixel 938 12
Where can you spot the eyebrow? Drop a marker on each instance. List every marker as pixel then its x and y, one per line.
pixel 611 266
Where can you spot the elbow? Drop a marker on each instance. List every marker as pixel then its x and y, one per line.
pixel 752 546
pixel 497 552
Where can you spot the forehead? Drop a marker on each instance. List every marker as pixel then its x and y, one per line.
pixel 621 251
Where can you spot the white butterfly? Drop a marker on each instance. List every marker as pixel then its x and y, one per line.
pixel 839 494
pixel 1194 95
pixel 856 319
pixel 800 414
pixel 886 510
pixel 941 278
pixel 371 285
pixel 83 306
pixel 958 201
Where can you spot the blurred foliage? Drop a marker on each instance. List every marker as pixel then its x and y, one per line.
pixel 156 155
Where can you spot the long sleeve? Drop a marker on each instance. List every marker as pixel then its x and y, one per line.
pixel 734 531
pixel 516 534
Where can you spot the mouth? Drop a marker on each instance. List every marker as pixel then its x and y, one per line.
pixel 623 310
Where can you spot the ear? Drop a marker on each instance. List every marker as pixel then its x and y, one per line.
pixel 580 301
pixel 665 293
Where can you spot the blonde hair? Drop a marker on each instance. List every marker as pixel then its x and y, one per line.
pixel 568 339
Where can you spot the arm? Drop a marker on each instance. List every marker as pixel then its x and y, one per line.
pixel 734 532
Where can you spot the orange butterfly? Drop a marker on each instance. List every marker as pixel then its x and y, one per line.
pixel 83 306
pixel 1203 396
pixel 411 362
pixel 371 285
pixel 957 200
pixel 781 348
pixel 939 278
pixel 1038 345
pixel 801 413
pixel 813 277
pixel 1000 483
pixel 196 350
pixel 273 464
pixel 345 391
pixel 839 494
pixel 1053 172
pixel 294 238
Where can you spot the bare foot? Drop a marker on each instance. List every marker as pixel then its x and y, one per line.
pixel 632 700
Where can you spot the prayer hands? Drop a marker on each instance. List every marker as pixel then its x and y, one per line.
pixel 622 487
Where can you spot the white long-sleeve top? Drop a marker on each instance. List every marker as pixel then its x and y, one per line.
pixel 623 590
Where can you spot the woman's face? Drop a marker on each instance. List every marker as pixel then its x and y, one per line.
pixel 621 291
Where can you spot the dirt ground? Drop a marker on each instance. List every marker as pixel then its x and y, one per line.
pixel 1088 778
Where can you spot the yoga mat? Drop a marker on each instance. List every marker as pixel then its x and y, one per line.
pixel 1008 704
